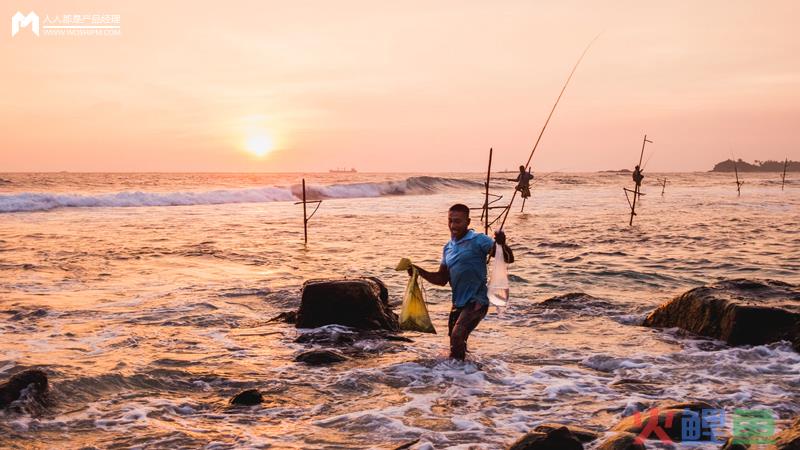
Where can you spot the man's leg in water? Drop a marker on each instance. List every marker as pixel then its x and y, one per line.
pixel 470 317
pixel 451 321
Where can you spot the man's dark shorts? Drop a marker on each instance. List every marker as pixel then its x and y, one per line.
pixel 461 323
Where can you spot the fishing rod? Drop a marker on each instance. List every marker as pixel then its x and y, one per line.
pixel 544 127
pixel 648 159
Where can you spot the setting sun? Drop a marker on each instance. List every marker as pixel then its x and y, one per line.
pixel 259 144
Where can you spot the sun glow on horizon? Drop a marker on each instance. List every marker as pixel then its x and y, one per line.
pixel 260 144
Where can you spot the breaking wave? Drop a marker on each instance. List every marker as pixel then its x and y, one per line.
pixel 31 201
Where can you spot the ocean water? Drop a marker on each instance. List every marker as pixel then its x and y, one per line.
pixel 147 299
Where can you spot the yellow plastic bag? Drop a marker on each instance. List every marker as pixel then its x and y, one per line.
pixel 414 314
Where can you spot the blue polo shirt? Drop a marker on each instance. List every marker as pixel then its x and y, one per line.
pixel 466 261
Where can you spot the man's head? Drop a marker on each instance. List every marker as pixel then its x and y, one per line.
pixel 458 220
pixel 522 168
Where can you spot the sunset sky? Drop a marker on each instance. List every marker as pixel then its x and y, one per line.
pixel 400 86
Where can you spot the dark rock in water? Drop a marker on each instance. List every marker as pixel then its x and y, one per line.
pixel 329 335
pixel 396 338
pixel 249 397
pixel 576 300
pixel 285 317
pixel 384 291
pixel 669 416
pixel 12 389
pixel 582 434
pixel 343 336
pixel 359 303
pixel 621 441
pixel 557 439
pixel 320 357
pixel 740 312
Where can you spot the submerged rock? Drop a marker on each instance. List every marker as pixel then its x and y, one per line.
pixel 621 441
pixel 329 335
pixel 249 397
pixel 11 390
pixel 740 312
pixel 557 439
pixel 285 317
pixel 577 300
pixel 583 434
pixel 320 357
pixel 359 303
pixel 342 336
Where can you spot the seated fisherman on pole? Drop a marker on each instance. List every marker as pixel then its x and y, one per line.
pixel 464 267
pixel 523 181
pixel 637 176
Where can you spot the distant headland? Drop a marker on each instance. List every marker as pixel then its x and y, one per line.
pixel 758 166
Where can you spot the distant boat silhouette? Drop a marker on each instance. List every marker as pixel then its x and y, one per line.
pixel 352 170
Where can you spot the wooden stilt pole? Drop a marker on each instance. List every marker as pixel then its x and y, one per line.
pixel 633 206
pixel 305 217
pixel 637 187
pixel 783 177
pixel 485 213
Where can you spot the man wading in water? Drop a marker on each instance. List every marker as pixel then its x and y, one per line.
pixel 464 267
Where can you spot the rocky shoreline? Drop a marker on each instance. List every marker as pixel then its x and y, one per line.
pixel 335 315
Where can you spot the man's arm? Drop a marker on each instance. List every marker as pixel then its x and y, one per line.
pixel 440 278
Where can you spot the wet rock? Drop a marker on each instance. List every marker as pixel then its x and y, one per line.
pixel 621 441
pixel 584 435
pixel 13 388
pixel 396 338
pixel 669 416
pixel 740 312
pixel 320 357
pixel 358 303
pixel 285 317
pixel 576 300
pixel 329 335
pixel 557 439
pixel 249 397
pixel 340 336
